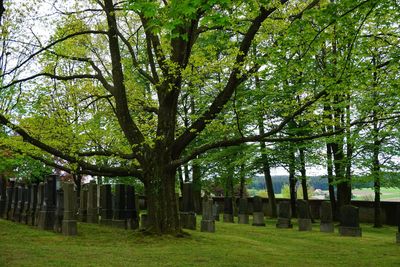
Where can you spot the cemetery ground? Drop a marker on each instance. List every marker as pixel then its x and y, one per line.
pixel 230 245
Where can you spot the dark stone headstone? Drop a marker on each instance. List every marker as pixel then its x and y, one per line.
pixel 349 221
pixel 243 213
pixel 119 215
pixel 228 210
pixel 32 204
pixel 9 192
pixel 39 204
pixel 216 211
pixel 69 224
pixel 20 204
pixel 106 209
pixel 92 216
pixel 59 211
pixel 207 222
pixel 258 212
pixel 3 195
pixel 143 221
pixel 47 212
pixel 14 203
pixel 132 219
pixel 284 215
pixel 326 216
pixel 83 200
pixel 303 219
pixel 188 216
pixel 27 204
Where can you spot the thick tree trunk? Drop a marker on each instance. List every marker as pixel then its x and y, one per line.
pixel 162 205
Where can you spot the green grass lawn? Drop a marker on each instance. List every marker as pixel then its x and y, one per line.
pixel 231 245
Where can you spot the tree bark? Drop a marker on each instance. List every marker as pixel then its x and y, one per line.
pixel 292 181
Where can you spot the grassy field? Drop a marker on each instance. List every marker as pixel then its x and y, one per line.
pixel 231 245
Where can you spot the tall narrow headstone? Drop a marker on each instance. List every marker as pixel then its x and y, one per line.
pixel 119 214
pixel 216 211
pixel 228 210
pixel 132 219
pixel 32 205
pixel 39 204
pixel 243 213
pixel 349 221
pixel 284 215
pixel 92 216
pixel 14 211
pixel 47 212
pixel 25 211
pixel 3 195
pixel 325 214
pixel 187 215
pixel 9 192
pixel 106 212
pixel 303 219
pixel 258 212
pixel 69 224
pixel 20 203
pixel 207 221
pixel 59 214
pixel 83 204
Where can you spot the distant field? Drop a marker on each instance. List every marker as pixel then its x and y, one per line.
pixel 367 194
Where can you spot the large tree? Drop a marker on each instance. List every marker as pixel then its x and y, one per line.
pixel 102 96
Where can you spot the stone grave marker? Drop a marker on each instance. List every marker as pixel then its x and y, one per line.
pixel 132 219
pixel 303 213
pixel 106 211
pixel 39 204
pixel 187 215
pixel 284 215
pixel 326 216
pixel 69 224
pixel 83 201
pixel 216 211
pixel 258 212
pixel 243 213
pixel 228 210
pixel 207 221
pixel 47 213
pixel 349 221
pixel 59 214
pixel 3 195
pixel 119 215
pixel 27 204
pixel 32 205
pixel 9 192
pixel 14 203
pixel 20 203
pixel 92 216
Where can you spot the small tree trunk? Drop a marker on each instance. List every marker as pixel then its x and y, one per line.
pixel 331 180
pixel 242 182
pixel 292 182
pixel 376 174
pixel 196 174
pixel 303 174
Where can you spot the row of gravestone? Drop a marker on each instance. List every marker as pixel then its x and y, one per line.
pixel 41 205
pixel 349 219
